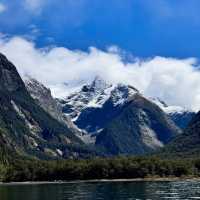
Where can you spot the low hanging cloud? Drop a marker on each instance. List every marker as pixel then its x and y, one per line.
pixel 175 81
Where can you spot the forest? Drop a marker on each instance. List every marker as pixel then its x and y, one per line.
pixel 19 170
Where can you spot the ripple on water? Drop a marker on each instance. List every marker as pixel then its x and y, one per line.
pixel 103 191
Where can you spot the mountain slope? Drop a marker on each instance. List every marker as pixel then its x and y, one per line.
pixel 94 119
pixel 141 127
pixel 24 126
pixel 179 115
pixel 182 119
pixel 42 96
pixel 187 144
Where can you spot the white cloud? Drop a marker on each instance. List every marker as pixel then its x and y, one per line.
pixel 2 8
pixel 173 80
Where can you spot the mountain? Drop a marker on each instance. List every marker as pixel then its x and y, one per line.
pixel 25 127
pixel 179 115
pixel 182 119
pixel 186 144
pixel 139 128
pixel 96 104
pixel 43 97
pixel 113 118
pixel 119 118
pixel 95 107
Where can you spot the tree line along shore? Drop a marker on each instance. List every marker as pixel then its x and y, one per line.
pixel 20 170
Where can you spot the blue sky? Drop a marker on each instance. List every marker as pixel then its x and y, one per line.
pixel 145 28
pixel 72 41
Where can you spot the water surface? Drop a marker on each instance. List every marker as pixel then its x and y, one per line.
pixel 102 191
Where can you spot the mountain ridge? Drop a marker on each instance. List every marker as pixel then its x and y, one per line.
pixel 25 127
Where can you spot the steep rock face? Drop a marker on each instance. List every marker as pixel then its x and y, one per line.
pixel 44 98
pixel 42 95
pixel 26 127
pixel 139 128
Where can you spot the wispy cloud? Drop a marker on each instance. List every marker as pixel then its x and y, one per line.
pixel 33 33
pixel 174 80
pixel 167 11
pixel 34 6
pixel 2 8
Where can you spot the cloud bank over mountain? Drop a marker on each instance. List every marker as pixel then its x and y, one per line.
pixel 174 80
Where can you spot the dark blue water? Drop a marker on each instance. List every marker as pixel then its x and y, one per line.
pixel 102 190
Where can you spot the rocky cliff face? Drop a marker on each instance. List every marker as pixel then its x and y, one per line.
pixel 43 97
pixel 25 127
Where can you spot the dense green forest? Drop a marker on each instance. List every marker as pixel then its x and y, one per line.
pixel 98 168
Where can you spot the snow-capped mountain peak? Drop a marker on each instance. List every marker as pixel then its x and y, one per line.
pixel 99 84
pixel 121 93
pixel 95 95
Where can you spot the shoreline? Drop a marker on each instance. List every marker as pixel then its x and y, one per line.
pixel 171 179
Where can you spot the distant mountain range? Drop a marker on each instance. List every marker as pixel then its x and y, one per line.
pixel 101 119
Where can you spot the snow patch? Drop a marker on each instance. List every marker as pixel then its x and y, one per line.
pixel 169 109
